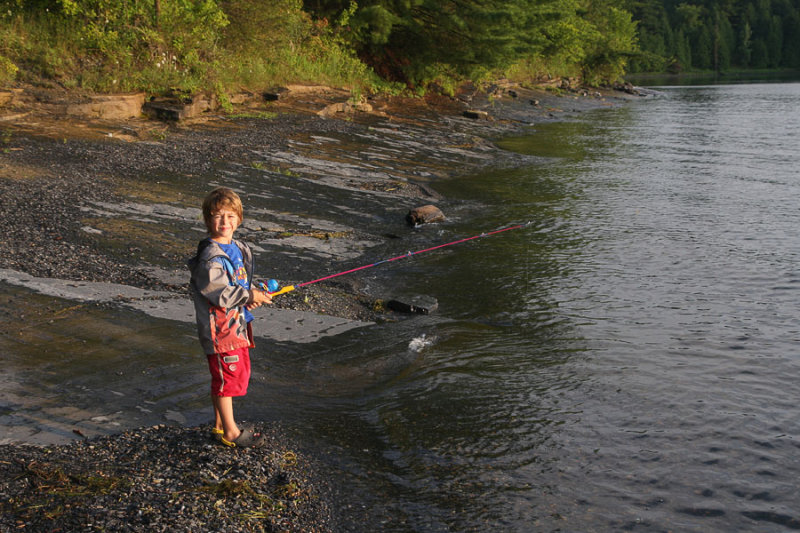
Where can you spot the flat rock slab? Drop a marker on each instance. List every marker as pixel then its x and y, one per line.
pixel 280 325
pixel 116 106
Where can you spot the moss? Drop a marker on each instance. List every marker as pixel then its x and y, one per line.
pixel 57 490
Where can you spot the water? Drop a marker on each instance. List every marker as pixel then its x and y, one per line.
pixel 627 362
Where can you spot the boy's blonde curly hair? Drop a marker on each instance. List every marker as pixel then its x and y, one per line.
pixel 218 199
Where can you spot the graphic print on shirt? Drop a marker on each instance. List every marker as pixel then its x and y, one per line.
pixel 226 328
pixel 241 276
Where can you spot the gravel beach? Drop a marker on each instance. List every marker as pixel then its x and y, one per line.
pixel 161 479
pixel 84 197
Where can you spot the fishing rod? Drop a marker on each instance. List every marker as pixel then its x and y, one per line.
pixel 273 289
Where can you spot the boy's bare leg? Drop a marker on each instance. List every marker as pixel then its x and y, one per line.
pixel 217 419
pixel 223 409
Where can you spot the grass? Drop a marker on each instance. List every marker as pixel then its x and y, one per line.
pixel 262 115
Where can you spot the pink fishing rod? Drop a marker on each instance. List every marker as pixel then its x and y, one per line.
pixel 272 284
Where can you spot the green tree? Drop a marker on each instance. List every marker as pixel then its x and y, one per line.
pixel 726 42
pixel 413 40
pixel 744 48
pixel 683 51
pixel 703 49
pixel 774 42
pixel 611 45
pixel 655 37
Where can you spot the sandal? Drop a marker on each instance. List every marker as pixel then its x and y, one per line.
pixel 246 439
pixel 216 433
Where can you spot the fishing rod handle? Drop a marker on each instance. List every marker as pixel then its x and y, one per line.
pixel 272 288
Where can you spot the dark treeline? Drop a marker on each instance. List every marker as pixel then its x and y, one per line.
pixel 717 35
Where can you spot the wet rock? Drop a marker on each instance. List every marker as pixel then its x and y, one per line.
pixel 627 87
pixel 421 305
pixel 427 214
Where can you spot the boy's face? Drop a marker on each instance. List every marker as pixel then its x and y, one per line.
pixel 222 225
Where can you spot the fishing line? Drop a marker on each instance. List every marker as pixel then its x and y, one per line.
pixel 272 286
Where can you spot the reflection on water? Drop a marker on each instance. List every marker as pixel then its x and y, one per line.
pixel 96 369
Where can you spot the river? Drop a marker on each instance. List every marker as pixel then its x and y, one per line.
pixel 625 361
pixel 628 361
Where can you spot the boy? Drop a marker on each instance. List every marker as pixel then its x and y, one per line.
pixel 220 287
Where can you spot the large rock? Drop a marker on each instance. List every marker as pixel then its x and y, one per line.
pixel 175 109
pixel 426 214
pixel 108 106
pixel 421 305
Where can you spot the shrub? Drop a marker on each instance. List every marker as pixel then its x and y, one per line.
pixel 8 70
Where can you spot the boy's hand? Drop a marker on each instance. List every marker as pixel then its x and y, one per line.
pixel 259 298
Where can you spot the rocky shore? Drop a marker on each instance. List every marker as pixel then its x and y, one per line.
pixel 162 478
pixel 116 202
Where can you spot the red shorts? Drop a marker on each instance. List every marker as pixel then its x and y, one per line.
pixel 230 372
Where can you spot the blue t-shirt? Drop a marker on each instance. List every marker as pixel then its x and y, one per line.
pixel 239 272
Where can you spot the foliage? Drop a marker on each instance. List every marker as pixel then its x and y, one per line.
pixel 167 46
pixel 109 45
pixel 8 70
pixel 424 41
pixel 609 50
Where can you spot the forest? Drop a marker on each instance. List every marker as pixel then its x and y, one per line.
pixel 715 35
pixel 389 46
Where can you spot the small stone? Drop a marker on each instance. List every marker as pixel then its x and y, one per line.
pixel 426 214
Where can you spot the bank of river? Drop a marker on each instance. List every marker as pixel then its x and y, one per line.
pixel 98 220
